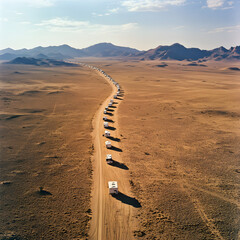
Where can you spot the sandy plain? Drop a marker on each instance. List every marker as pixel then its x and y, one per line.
pixel 179 132
pixel 46 124
pixel 176 137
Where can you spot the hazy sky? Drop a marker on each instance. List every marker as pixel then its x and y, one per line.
pixel 141 24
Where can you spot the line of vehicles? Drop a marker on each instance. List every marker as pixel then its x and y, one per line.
pixel 112 185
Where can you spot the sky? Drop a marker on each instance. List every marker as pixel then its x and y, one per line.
pixel 141 24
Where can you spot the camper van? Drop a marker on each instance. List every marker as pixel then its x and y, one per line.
pixel 108 144
pixel 113 187
pixel 107 134
pixel 105 124
pixel 109 159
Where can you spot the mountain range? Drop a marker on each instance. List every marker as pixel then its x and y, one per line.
pixel 173 52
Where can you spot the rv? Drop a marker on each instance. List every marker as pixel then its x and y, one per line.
pixel 105 118
pixel 105 124
pixel 105 111
pixel 113 187
pixel 106 108
pixel 111 100
pixel 109 159
pixel 110 104
pixel 107 134
pixel 108 144
pixel 115 96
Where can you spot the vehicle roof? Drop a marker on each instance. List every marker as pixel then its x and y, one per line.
pixel 112 184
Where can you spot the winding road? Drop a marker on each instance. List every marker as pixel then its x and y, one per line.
pixel 112 216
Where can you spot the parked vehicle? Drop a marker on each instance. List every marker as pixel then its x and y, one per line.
pixel 113 187
pixel 108 144
pixel 107 134
pixel 109 159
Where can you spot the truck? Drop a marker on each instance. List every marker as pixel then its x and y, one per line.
pixel 113 187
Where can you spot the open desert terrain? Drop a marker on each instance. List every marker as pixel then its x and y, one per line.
pixel 46 124
pixel 175 137
pixel 179 136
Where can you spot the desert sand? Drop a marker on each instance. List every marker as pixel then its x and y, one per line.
pixel 46 124
pixel 175 132
pixel 179 136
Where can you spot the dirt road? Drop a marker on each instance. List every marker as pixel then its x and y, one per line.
pixel 112 216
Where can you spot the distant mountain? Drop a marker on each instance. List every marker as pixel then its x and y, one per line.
pixel 40 62
pixel 173 52
pixel 109 50
pixel 176 52
pixel 67 52
pixel 179 52
pixel 7 56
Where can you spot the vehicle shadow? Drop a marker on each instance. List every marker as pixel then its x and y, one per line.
pixel 44 193
pixel 116 149
pixel 119 98
pixel 112 107
pixel 119 165
pixel 114 139
pixel 115 103
pixel 111 128
pixel 127 200
pixel 108 113
pixel 109 120
pixel 110 110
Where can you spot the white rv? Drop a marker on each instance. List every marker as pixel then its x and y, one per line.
pixel 110 104
pixel 115 96
pixel 105 111
pixel 109 159
pixel 108 144
pixel 107 134
pixel 113 187
pixel 106 108
pixel 105 124
pixel 105 118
